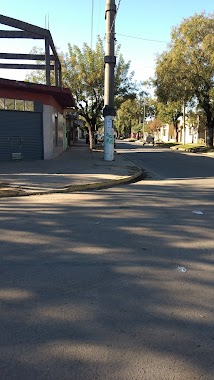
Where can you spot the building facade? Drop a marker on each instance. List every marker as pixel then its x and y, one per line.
pixel 32 120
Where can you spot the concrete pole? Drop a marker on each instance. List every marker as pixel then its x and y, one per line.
pixel 184 122
pixel 144 115
pixel 110 61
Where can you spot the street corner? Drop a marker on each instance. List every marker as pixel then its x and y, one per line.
pixel 132 168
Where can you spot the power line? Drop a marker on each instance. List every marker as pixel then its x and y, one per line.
pixel 140 38
pixel 99 16
pixel 134 37
pixel 137 38
pixel 115 16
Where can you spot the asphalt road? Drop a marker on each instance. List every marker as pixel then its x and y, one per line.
pixel 163 163
pixel 115 284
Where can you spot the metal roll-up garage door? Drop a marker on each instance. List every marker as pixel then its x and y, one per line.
pixel 21 135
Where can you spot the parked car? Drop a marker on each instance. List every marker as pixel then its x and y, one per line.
pixel 149 140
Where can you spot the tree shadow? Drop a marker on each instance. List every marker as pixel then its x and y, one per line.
pixel 89 284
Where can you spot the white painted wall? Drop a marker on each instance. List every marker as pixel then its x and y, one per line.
pixel 59 147
pixel 53 141
pixel 191 135
pixel 48 132
pixel 188 135
pixel 164 133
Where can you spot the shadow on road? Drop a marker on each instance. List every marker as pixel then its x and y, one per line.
pixel 89 286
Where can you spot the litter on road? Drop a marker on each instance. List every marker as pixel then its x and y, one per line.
pixel 197 212
pixel 182 269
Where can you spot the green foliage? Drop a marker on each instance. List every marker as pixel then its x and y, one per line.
pixel 83 73
pixel 127 117
pixel 125 88
pixel 132 114
pixel 169 113
pixel 37 76
pixel 185 71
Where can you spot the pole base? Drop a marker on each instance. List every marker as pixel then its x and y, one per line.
pixel 108 138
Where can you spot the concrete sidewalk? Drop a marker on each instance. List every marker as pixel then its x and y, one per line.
pixel 76 169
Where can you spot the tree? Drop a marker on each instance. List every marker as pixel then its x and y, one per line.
pixel 185 72
pixel 83 73
pixel 155 126
pixel 169 113
pixel 39 76
pixel 130 107
pixel 126 117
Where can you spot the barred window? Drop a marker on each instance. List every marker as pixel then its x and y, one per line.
pixel 9 104
pixel 16 105
pixel 29 105
pixel 19 105
pixel 1 103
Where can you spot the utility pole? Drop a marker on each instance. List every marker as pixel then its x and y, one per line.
pixel 184 122
pixel 110 61
pixel 144 115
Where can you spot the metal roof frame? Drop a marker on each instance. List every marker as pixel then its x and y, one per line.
pixel 27 30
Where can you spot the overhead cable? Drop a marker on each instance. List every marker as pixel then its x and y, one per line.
pixel 141 38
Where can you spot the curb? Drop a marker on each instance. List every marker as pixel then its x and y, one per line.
pixel 10 191
pixel 18 192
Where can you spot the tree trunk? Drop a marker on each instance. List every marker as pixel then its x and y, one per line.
pixel 90 137
pixel 210 124
pixel 210 136
pixel 176 131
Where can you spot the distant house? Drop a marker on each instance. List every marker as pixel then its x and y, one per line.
pixel 189 134
pixel 32 120
pixel 165 133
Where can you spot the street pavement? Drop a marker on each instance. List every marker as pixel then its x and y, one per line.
pixel 77 168
pixel 165 163
pixel 115 284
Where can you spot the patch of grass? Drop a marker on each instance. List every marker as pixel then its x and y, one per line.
pixel 131 140
pixel 167 144
pixel 194 148
pixel 200 148
pixel 191 146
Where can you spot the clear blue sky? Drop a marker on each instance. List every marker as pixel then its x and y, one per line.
pixel 70 21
